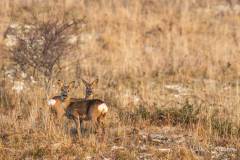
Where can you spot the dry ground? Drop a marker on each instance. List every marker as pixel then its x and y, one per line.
pixel 168 71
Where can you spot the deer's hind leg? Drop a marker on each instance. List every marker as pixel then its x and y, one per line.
pixel 81 125
pixel 92 118
pixel 77 123
pixel 94 125
pixel 101 123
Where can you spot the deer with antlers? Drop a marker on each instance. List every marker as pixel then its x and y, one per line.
pixel 89 87
pixel 57 103
pixel 80 110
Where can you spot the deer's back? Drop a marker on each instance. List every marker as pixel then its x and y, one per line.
pixel 82 108
pixel 59 107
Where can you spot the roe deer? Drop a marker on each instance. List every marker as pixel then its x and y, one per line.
pixel 93 110
pixel 78 109
pixel 89 86
pixel 59 103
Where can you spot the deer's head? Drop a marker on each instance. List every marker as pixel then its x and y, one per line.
pixel 65 88
pixel 89 87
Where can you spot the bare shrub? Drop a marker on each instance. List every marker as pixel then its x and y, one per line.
pixel 40 44
pixel 42 47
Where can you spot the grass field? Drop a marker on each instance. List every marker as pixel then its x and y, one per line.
pixel 168 70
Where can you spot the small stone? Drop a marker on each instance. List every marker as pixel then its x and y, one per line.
pixel 164 150
pixel 223 152
pixel 145 156
pixel 117 148
pixel 159 138
pixel 226 150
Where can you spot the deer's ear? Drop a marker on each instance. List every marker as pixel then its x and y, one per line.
pixel 95 82
pixel 59 83
pixel 77 84
pixel 72 84
pixel 85 82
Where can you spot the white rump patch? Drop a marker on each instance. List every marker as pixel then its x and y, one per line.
pixel 103 108
pixel 51 102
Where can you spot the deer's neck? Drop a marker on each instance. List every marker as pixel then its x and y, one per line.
pixel 66 102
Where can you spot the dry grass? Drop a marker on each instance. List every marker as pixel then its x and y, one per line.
pixel 168 67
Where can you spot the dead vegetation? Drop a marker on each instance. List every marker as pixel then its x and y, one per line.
pixel 167 70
